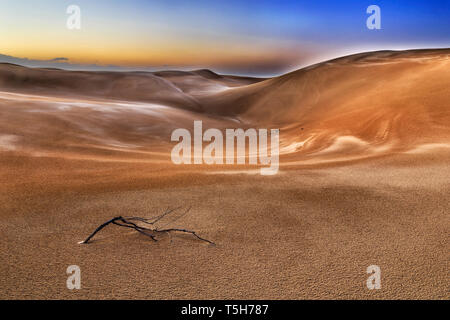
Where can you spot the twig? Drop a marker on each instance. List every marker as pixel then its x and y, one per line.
pixel 186 231
pixel 100 228
pixel 129 222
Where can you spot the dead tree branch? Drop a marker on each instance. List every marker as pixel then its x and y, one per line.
pixel 151 230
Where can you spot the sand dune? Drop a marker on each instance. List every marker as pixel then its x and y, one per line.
pixel 158 87
pixel 389 100
pixel 382 102
pixel 364 174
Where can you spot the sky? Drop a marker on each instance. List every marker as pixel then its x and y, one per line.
pixel 234 36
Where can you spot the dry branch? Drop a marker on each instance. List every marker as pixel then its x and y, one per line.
pixel 151 230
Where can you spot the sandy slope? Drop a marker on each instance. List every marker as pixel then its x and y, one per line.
pixel 363 180
pixel 363 104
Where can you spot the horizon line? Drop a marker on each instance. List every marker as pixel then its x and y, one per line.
pixel 124 69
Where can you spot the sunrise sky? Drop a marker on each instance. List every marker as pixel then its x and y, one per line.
pixel 234 36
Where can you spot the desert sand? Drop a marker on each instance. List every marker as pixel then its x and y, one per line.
pixel 363 180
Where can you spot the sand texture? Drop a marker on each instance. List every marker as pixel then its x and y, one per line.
pixel 364 179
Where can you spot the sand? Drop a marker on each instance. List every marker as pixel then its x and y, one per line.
pixel 363 180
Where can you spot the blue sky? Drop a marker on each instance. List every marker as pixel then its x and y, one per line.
pixel 244 37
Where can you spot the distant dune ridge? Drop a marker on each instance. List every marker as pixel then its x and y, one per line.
pixel 173 88
pixel 363 180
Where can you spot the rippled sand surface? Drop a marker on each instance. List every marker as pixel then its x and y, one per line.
pixel 363 180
